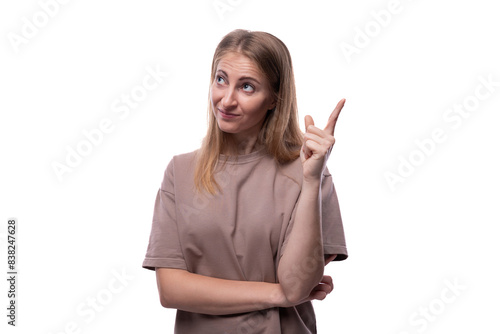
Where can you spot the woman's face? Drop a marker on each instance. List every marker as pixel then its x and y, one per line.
pixel 240 95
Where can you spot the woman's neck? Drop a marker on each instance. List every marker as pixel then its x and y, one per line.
pixel 241 146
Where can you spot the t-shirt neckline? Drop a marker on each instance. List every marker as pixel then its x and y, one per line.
pixel 243 158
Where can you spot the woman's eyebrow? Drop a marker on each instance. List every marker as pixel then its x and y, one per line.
pixel 242 78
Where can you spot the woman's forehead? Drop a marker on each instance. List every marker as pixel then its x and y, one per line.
pixel 239 64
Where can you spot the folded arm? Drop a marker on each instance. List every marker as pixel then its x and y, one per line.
pixel 190 292
pixel 186 291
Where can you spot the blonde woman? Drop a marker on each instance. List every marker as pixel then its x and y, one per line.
pixel 244 226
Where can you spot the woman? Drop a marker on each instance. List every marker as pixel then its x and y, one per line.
pixel 243 227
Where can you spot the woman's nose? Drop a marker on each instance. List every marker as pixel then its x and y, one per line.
pixel 229 99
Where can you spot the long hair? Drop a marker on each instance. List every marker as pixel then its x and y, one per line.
pixel 280 132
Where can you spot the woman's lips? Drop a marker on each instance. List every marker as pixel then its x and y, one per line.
pixel 226 115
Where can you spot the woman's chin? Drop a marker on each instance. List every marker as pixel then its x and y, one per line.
pixel 227 129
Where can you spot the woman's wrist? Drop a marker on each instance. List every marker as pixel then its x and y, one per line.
pixel 310 188
pixel 312 182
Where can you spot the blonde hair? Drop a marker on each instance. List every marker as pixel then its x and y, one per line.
pixel 280 132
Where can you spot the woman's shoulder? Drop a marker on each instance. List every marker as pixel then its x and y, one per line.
pixel 185 158
pixel 180 163
pixel 184 161
pixel 292 170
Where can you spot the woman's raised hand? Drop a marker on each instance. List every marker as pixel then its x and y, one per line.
pixel 318 145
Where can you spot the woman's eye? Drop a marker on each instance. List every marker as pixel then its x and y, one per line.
pixel 247 88
pixel 220 80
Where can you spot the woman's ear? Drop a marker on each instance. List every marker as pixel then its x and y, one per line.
pixel 272 106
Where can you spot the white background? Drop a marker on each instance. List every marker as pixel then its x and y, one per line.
pixel 405 243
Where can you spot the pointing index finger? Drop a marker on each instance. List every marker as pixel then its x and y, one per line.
pixel 332 120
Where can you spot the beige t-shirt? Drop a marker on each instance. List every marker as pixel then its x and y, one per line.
pixel 239 234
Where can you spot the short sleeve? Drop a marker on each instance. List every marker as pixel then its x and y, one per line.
pixel 164 249
pixel 333 229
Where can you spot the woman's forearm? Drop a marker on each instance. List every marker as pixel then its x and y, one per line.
pixel 186 291
pixel 302 265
